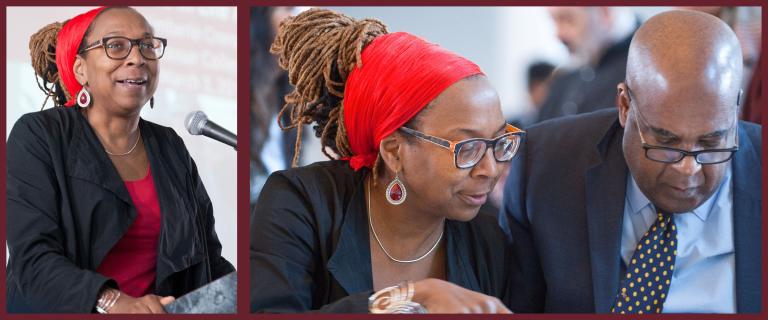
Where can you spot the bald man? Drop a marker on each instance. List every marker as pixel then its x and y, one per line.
pixel 653 207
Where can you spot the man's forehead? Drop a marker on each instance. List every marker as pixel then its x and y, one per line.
pixel 682 123
pixel 684 98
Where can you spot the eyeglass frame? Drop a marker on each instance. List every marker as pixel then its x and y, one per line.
pixel 683 153
pixel 132 43
pixel 455 146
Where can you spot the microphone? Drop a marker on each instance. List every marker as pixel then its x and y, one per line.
pixel 197 123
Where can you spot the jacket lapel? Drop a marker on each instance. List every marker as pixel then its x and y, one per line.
pixel 181 243
pixel 350 263
pixel 605 194
pixel 458 268
pixel 747 224
pixel 88 161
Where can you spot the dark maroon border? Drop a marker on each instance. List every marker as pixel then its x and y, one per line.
pixel 3 88
pixel 243 159
pixel 243 168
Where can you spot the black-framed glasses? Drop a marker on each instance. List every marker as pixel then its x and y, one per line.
pixel 468 153
pixel 118 47
pixel 674 155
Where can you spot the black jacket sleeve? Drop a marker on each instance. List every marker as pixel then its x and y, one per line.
pixel 44 272
pixel 285 254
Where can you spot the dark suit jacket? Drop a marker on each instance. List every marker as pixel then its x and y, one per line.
pixel 564 204
pixel 310 244
pixel 67 207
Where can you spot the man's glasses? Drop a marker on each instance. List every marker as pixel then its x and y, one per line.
pixel 674 155
pixel 468 153
pixel 118 48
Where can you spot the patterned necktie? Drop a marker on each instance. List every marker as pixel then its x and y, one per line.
pixel 645 286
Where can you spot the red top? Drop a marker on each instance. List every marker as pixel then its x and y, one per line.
pixel 132 262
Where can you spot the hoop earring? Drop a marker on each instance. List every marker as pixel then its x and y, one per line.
pixel 396 191
pixel 83 98
pixel 152 102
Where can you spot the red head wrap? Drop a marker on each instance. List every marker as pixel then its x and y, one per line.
pixel 400 74
pixel 67 43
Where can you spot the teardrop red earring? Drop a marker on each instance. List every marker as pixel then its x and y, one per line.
pixel 83 98
pixel 396 191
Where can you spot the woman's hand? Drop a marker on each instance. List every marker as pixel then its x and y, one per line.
pixel 439 296
pixel 146 304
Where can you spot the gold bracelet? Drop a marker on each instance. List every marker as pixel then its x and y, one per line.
pixel 395 299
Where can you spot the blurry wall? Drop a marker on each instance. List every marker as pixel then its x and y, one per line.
pixel 197 72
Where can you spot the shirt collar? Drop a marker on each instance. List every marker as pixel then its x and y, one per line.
pixel 638 201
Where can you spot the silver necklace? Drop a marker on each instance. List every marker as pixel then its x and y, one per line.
pixel 138 137
pixel 376 237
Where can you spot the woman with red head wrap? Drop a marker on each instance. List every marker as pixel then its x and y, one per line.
pixel 390 225
pixel 106 211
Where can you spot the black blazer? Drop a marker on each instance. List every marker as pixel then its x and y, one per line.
pixel 310 246
pixel 564 205
pixel 67 207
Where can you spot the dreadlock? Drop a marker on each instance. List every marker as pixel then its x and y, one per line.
pixel 319 48
pixel 42 49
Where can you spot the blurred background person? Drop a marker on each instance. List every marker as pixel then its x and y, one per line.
pixel 271 148
pixel 539 76
pixel 597 39
pixel 538 79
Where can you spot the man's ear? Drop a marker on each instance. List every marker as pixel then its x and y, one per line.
pixel 622 102
pixel 80 69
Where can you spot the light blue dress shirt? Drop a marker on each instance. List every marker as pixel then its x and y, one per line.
pixel 704 276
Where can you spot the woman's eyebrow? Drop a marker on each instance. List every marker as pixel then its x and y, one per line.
pixel 115 33
pixel 475 133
